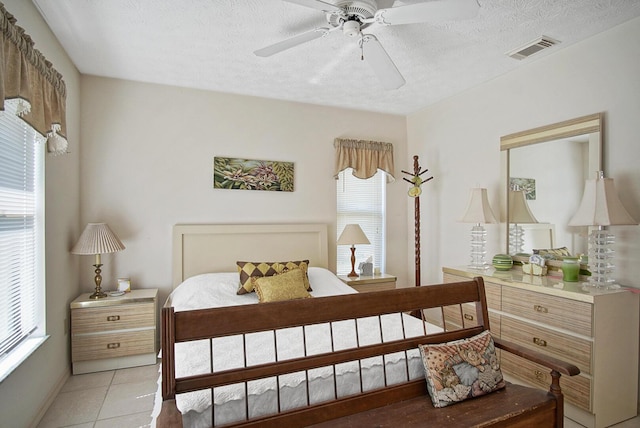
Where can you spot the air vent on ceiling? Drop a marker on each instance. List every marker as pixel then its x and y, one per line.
pixel 529 49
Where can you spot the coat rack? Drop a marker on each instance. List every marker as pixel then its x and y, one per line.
pixel 416 182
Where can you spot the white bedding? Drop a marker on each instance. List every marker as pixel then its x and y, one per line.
pixel 217 290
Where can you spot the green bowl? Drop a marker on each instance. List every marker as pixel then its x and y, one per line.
pixel 502 262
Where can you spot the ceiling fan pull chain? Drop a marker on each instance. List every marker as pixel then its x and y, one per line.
pixel 361 47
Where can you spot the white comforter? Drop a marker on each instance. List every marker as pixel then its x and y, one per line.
pixel 217 290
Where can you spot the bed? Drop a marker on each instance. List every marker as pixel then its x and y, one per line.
pixel 206 276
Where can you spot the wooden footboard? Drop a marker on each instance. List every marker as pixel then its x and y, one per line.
pixel 391 305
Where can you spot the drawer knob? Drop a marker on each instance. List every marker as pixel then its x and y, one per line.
pixel 540 309
pixel 113 318
pixel 539 375
pixel 539 342
pixel 468 317
pixel 113 345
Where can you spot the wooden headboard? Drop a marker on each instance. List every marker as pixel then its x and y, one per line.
pixel 202 248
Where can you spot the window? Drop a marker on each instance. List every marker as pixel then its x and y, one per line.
pixel 362 202
pixel 22 312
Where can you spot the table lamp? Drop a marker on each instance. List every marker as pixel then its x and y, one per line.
pixel 97 239
pixel 352 235
pixel 600 207
pixel 519 213
pixel 479 212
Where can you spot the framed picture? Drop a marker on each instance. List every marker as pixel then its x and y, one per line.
pixel 526 184
pixel 124 284
pixel 248 174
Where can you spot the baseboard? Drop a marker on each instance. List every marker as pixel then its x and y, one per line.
pixel 52 396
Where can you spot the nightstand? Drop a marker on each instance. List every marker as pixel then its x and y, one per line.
pixel 113 332
pixel 364 283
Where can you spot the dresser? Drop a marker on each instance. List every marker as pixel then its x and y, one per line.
pixel 113 332
pixel 597 331
pixel 364 283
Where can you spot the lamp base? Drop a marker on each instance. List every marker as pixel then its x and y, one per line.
pixel 353 273
pixel 98 294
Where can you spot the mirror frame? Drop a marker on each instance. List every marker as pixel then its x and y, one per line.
pixel 591 124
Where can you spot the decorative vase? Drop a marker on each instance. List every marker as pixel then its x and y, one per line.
pixel 502 262
pixel 570 269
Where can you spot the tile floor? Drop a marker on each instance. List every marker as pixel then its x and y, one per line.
pixel 124 399
pixel 121 398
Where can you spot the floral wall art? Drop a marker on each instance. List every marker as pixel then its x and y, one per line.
pixel 249 174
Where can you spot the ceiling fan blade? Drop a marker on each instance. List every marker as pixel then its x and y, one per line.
pixel 380 61
pixel 292 42
pixel 317 4
pixel 431 11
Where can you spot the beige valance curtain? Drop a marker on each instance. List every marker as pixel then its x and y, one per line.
pixel 365 157
pixel 30 86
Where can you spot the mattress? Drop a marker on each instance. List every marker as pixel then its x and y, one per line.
pixel 266 396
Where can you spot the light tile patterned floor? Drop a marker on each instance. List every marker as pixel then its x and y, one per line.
pixel 118 398
pixel 124 399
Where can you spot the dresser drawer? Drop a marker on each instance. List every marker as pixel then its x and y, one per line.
pixel 112 345
pixel 93 320
pixel 562 346
pixel 568 314
pixel 493 291
pixel 576 389
pixel 456 316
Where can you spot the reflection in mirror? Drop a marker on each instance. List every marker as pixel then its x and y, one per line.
pixel 549 166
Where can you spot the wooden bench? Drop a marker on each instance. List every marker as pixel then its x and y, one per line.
pixel 403 404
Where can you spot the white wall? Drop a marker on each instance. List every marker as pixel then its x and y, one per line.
pixel 26 393
pixel 458 139
pixel 147 164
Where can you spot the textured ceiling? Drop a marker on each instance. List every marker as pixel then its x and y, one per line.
pixel 209 44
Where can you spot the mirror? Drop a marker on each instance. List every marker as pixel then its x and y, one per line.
pixel 549 165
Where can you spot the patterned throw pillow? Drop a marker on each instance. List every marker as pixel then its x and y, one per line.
pixel 461 369
pixel 284 286
pixel 248 270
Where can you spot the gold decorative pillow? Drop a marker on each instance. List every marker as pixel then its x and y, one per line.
pixel 248 270
pixel 284 286
pixel 461 369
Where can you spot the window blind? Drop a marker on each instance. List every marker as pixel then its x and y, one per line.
pixel 21 232
pixel 362 202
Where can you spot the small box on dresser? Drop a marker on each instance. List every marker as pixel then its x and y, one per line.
pixel 113 332
pixel 596 330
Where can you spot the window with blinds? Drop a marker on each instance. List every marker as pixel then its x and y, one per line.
pixel 21 238
pixel 362 202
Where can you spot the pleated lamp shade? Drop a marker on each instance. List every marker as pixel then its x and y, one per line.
pixel 478 210
pixel 600 205
pixel 97 238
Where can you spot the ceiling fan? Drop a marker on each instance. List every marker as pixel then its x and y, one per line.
pixel 353 16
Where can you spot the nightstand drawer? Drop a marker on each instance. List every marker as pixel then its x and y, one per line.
pixel 555 311
pixel 112 345
pixel 95 320
pixel 554 343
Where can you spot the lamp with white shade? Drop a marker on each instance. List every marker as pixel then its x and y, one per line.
pixel 352 235
pixel 479 212
pixel 519 213
pixel 97 239
pixel 600 207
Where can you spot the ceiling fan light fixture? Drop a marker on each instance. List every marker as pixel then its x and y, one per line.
pixel 351 28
